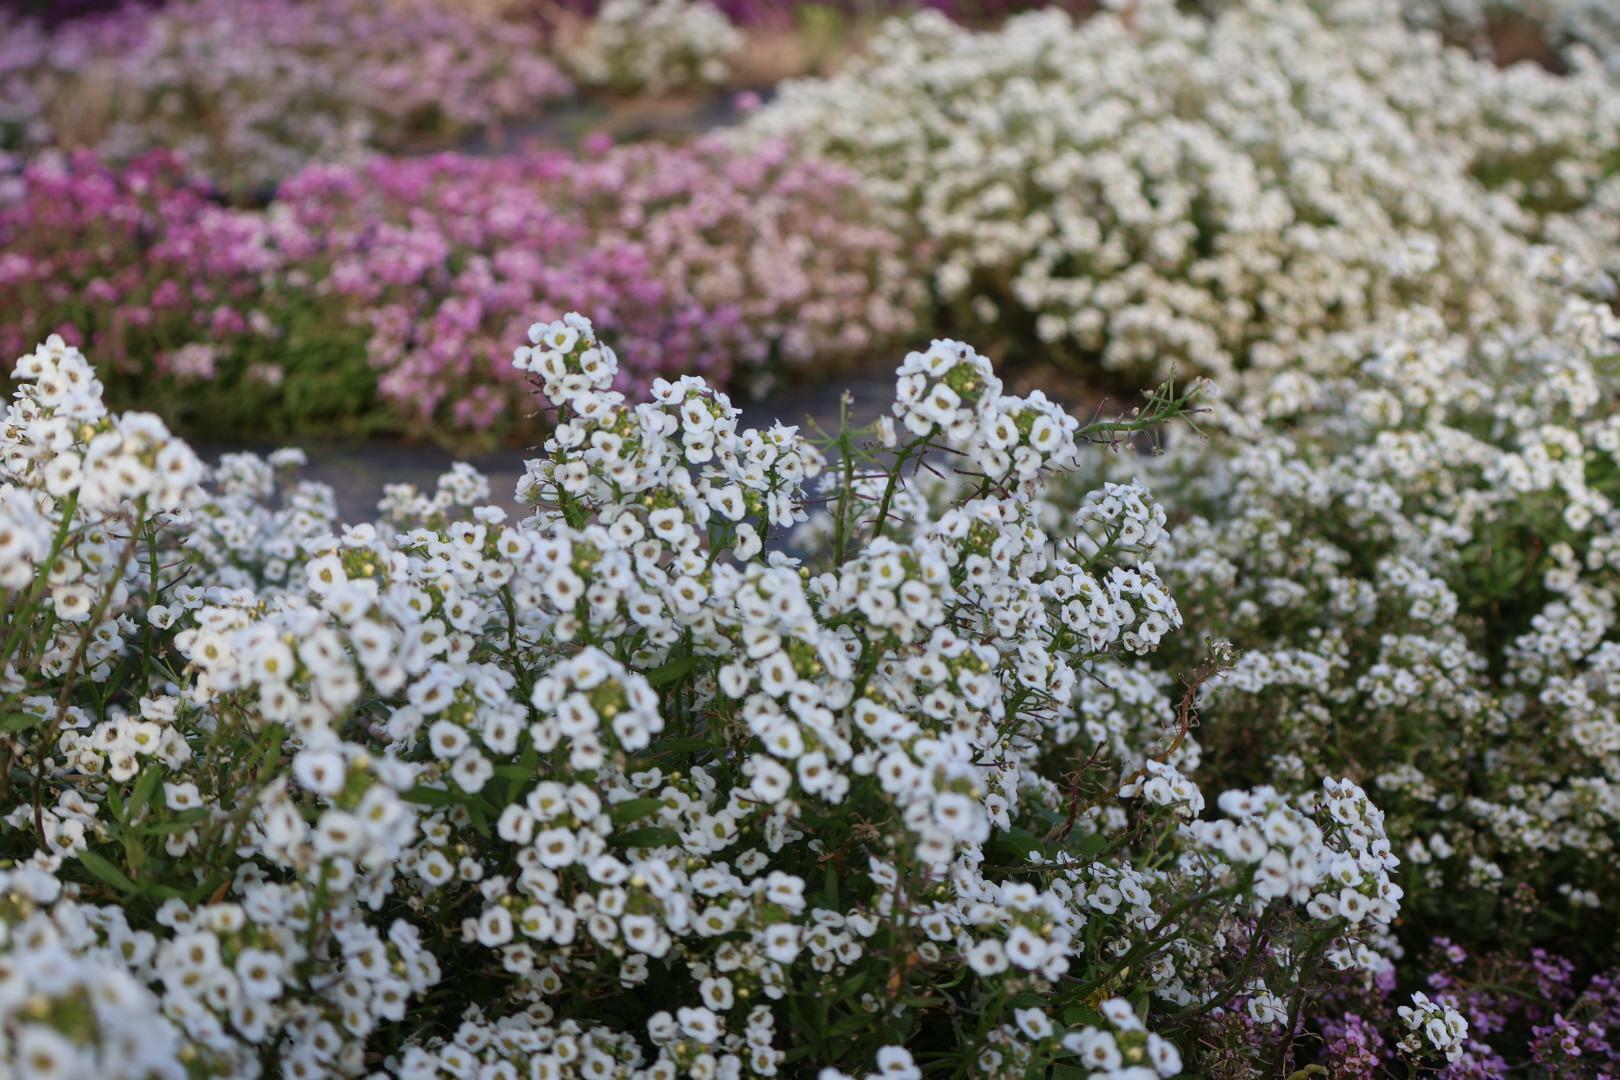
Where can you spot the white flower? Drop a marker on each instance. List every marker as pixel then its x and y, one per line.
pixel 321 771
pixel 896 1061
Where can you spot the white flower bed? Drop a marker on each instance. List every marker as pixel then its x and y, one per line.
pixel 1151 190
pixel 1411 539
pixel 653 46
pixel 621 788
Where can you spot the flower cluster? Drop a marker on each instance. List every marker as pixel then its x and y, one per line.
pixel 1447 505
pixel 1123 1049
pixel 1342 874
pixel 1407 535
pixel 652 46
pixel 252 90
pixel 758 751
pixel 953 391
pixel 144 265
pixel 1150 190
pixel 701 258
pixel 1432 1025
pixel 393 287
pixel 623 787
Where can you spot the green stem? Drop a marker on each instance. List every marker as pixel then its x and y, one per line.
pixel 894 483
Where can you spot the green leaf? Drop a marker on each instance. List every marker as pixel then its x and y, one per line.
pixel 631 809
pixel 106 871
pixel 145 788
pixel 651 836
pixel 480 819
pixel 1082 1016
pixel 849 1025
pixel 678 668
pixel 182 821
pixel 134 851
pixel 1021 842
pixel 20 722
pixel 430 796
pixel 116 682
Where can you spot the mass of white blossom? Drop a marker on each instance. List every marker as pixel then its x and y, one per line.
pixel 1267 728
pixel 1155 190
pixel 653 46
pixel 623 787
pixel 1411 534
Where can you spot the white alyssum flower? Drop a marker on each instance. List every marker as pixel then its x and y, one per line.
pixel 628 746
pixel 1155 191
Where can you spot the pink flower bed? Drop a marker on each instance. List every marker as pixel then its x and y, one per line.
pixel 251 90
pixel 697 259
pixel 137 261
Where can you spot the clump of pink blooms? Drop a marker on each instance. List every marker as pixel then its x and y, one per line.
pixel 140 261
pixel 699 258
pixel 1352 1046
pixel 251 90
